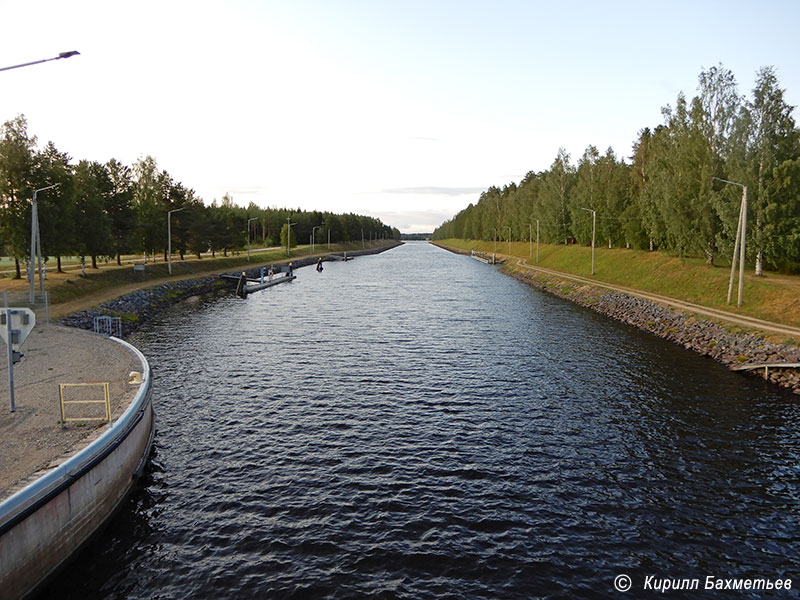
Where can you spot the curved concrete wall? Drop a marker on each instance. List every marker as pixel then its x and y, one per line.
pixel 45 523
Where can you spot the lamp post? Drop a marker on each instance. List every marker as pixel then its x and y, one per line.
pixel 169 238
pixel 537 237
pixel 289 234
pixel 594 222
pixel 248 236
pixel 739 246
pixel 314 236
pixel 36 243
pixel 36 62
pixel 509 237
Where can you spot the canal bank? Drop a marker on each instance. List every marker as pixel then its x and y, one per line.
pixel 71 451
pixel 705 337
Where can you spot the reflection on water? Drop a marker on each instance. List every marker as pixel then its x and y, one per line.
pixel 418 425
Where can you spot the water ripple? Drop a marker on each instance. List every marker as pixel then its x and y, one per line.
pixel 417 425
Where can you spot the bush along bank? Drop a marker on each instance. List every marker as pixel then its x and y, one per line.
pixel 704 337
pixel 143 305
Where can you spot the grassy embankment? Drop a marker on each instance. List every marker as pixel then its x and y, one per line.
pixel 773 297
pixel 70 292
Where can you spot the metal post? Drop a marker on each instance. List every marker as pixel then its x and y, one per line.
pixel 10 353
pixel 169 243
pixel 530 240
pixel 169 238
pixel 509 238
pixel 248 236
pixel 594 223
pixel 594 229
pixel 739 246
pixel 314 236
pixel 735 254
pixel 329 238
pixel 36 244
pixel 742 247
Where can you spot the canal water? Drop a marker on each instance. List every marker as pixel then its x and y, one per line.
pixel 416 424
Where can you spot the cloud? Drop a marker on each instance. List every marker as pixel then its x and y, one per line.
pixel 413 221
pixel 435 191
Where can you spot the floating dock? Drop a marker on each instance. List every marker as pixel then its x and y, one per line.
pixel 245 285
pixel 484 257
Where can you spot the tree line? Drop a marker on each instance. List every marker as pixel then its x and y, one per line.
pixel 110 209
pixel 670 193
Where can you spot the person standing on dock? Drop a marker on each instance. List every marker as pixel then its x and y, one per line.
pixel 290 272
pixel 319 265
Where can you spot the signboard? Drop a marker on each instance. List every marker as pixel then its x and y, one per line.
pixel 22 321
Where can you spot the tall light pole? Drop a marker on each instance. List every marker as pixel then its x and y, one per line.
pixel 537 237
pixel 289 234
pixel 36 243
pixel 248 235
pixel 594 223
pixel 36 62
pixel 739 246
pixel 314 236
pixel 509 237
pixel 169 237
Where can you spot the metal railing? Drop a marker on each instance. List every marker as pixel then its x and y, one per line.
pixel 106 401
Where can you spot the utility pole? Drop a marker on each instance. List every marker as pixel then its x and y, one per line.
pixel 289 234
pixel 537 237
pixel 169 238
pixel 739 245
pixel 594 223
pixel 36 243
pixel 248 236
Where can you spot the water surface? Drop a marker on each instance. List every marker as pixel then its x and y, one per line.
pixel 417 425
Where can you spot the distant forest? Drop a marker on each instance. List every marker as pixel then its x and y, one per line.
pixel 667 195
pixel 415 236
pixel 112 209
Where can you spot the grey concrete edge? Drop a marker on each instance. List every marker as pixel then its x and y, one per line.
pixel 28 495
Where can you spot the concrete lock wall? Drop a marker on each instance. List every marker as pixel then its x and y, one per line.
pixel 44 524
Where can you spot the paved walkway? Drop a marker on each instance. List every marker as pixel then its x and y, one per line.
pixel 32 439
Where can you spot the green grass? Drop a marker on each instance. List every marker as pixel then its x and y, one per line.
pixel 773 297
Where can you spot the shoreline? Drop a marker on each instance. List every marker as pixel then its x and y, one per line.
pixel 704 337
pixel 145 304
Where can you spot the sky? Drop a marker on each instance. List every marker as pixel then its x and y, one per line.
pixel 401 110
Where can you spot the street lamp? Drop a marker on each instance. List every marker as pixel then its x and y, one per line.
pixel 36 243
pixel 289 234
pixel 36 62
pixel 537 237
pixel 594 222
pixel 313 236
pixel 169 238
pixel 248 236
pixel 739 246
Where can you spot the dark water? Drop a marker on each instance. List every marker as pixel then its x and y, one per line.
pixel 418 425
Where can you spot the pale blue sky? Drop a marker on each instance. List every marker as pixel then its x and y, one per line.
pixel 401 110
